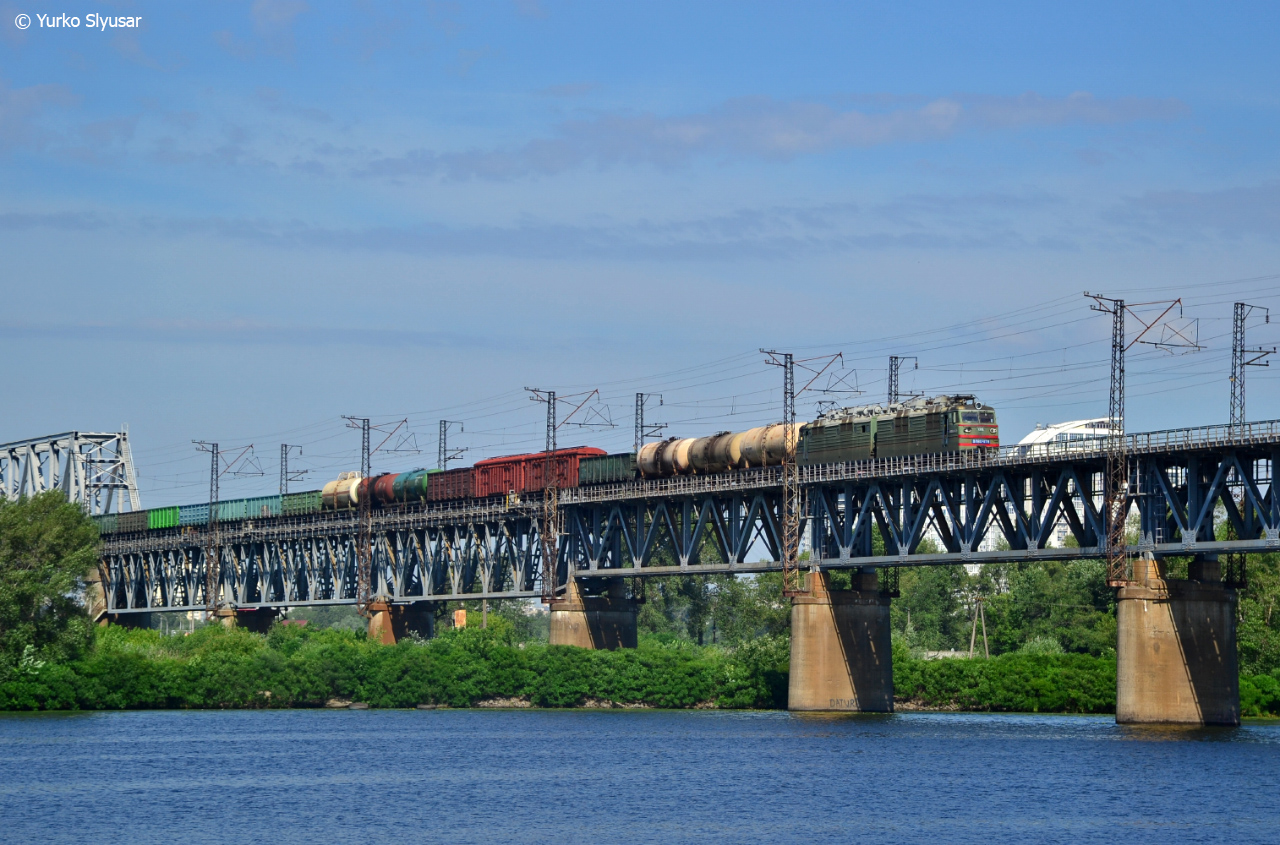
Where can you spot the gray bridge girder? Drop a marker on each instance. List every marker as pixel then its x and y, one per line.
pixel 1178 481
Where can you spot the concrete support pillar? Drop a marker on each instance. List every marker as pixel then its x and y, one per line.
pixel 390 623
pixel 841 650
pixel 95 598
pixel 129 620
pixel 380 625
pixel 599 622
pixel 1176 648
pixel 257 619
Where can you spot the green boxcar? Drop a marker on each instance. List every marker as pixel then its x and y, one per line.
pixel 295 504
pixel 261 507
pixel 162 518
pixel 607 469
pixel 108 523
pixel 132 521
pixel 231 510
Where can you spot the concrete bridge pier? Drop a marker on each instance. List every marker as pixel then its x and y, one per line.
pixel 1176 647
pixel 599 622
pixel 390 623
pixel 258 619
pixel 841 651
pixel 127 620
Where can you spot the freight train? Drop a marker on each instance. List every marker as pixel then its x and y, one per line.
pixel 920 426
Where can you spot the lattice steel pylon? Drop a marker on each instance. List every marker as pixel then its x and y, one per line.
pixel 364 526
pixel 646 429
pixel 895 364
pixel 549 516
pixel 793 505
pixel 1116 479
pixel 1242 358
pixel 793 581
pixel 444 453
pixel 213 548
pixel 94 469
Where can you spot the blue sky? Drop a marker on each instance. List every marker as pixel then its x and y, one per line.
pixel 244 219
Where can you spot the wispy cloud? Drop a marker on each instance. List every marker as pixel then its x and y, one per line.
pixel 762 127
pixel 20 109
pixel 767 233
pixel 1227 213
pixel 273 22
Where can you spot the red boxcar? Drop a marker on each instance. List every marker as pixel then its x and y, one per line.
pixel 527 473
pixel 450 484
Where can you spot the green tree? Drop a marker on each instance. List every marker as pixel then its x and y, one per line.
pixel 47 548
pixel 1258 616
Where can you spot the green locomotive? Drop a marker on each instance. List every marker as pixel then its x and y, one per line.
pixel 915 427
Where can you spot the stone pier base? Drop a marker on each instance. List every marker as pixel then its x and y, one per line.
pixel 599 622
pixel 390 623
pixel 841 653
pixel 128 620
pixel 1176 648
pixel 259 620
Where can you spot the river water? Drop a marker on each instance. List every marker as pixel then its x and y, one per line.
pixel 461 776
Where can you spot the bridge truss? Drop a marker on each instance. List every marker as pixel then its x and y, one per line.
pixel 1183 485
pixel 92 468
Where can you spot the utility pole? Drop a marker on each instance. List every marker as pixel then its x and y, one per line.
pixel 644 430
pixel 793 505
pixel 549 527
pixel 1242 357
pixel 792 581
pixel 1116 480
pixel 364 516
pixel 212 551
pixel 979 613
pixel 895 363
pixel 285 475
pixel 444 456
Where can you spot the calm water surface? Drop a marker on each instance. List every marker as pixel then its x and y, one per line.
pixel 604 777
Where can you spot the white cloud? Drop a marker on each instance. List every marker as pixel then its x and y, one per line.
pixel 763 127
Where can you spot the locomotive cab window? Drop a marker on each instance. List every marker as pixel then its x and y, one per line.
pixel 987 417
pixel 969 417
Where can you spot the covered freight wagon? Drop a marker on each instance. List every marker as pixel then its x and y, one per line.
pixel 450 484
pixel 607 469
pixel 528 473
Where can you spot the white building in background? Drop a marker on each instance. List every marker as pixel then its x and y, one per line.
pixel 1077 434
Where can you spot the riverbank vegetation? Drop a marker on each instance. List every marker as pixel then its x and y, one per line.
pixel 705 642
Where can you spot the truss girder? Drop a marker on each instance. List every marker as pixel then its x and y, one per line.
pixel 444 562
pixel 973 513
pixel 90 468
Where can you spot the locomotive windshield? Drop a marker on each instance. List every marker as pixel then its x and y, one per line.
pixel 987 417
pixel 969 417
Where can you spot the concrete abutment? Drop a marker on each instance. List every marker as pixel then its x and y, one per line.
pixel 1176 647
pixel 598 622
pixel 841 647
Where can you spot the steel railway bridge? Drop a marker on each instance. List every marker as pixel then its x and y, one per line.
pixel 1183 484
